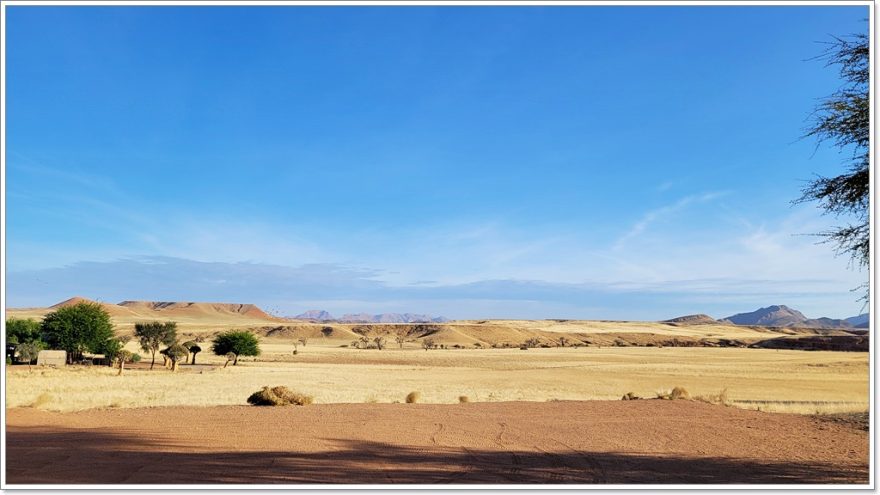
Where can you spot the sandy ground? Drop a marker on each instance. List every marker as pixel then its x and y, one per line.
pixel 647 441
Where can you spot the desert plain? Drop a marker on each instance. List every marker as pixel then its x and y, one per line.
pixel 487 410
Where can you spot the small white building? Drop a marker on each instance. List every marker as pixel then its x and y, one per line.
pixel 52 358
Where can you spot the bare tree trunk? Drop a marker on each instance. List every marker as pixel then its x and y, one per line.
pixel 235 363
pixel 194 358
pixel 121 367
pixel 153 361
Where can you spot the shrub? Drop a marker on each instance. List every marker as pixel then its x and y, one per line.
pixel 136 358
pixel 413 397
pixel 279 396
pixel 719 398
pixel 676 393
pixel 463 399
pixel 28 351
pixel 630 396
pixel 680 393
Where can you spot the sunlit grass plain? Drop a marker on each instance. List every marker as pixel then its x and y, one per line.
pixel 780 381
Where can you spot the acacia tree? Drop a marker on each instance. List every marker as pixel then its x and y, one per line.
pixel 400 339
pixel 78 328
pixel 154 334
pixel 175 352
pixel 28 351
pixel 121 358
pixel 193 347
pixel 238 343
pixel 843 119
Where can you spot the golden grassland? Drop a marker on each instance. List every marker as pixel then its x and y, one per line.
pixel 772 380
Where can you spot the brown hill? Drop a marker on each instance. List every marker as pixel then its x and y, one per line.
pixel 172 308
pixel 700 319
pixel 112 309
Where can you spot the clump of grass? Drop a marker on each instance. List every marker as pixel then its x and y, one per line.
pixel 413 397
pixel 680 393
pixel 630 396
pixel 463 399
pixel 719 398
pixel 279 396
pixel 675 394
pixel 42 400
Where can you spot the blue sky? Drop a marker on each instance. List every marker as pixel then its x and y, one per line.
pixel 474 162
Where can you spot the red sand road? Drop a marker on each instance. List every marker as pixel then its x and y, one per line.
pixel 647 441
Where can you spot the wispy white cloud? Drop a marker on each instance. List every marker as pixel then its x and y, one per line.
pixel 664 211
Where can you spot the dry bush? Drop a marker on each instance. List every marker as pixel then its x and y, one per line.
pixel 279 396
pixel 413 397
pixel 719 398
pixel 674 394
pixel 630 396
pixel 42 400
pixel 680 393
pixel 463 399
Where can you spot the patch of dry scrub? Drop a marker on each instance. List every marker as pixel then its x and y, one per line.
pixel 676 394
pixel 719 398
pixel 279 396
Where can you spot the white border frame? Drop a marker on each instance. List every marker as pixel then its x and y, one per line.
pixel 461 3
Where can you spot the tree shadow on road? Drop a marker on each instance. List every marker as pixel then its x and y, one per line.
pixel 38 455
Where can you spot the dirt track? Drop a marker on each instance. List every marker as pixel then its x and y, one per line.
pixel 647 441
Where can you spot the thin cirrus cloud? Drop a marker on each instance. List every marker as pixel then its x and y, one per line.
pixel 656 214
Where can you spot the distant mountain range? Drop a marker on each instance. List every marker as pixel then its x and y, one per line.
pixel 321 315
pixel 778 316
pixel 783 316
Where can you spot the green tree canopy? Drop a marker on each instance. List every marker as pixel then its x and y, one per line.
pixel 78 328
pixel 843 119
pixel 20 331
pixel 239 343
pixel 152 335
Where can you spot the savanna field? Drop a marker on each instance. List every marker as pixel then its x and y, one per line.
pixel 496 401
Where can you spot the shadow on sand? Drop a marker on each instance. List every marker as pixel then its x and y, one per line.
pixel 35 455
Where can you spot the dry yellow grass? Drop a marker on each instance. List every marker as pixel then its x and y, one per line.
pixel 790 381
